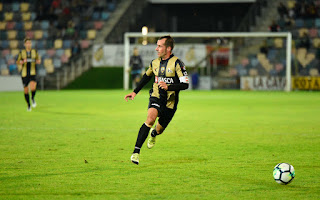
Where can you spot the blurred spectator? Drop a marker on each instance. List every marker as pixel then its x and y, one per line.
pixel 46 4
pixel 76 20
pixel 88 12
pixel 66 11
pixel 100 5
pixel 52 31
pixel 291 13
pixel 282 10
pixel 289 22
pixel 311 10
pixel 264 48
pixel 40 12
pixel 56 8
pixel 318 54
pixel 303 10
pixel 195 79
pixel 305 41
pixel 55 4
pixel 297 9
pixel 70 30
pixel 274 27
pixel 243 68
pixel 279 70
pixel 62 18
pixel 136 65
pixel 76 48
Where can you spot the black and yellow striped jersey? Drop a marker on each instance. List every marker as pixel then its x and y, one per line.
pixel 171 71
pixel 29 65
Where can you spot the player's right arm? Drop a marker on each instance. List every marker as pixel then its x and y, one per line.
pixel 144 80
pixel 130 96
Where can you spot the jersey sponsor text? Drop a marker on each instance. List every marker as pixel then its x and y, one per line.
pixel 164 79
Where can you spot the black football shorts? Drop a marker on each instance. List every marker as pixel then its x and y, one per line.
pixel 165 114
pixel 26 80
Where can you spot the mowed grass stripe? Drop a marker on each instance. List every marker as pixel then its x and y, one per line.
pixel 220 145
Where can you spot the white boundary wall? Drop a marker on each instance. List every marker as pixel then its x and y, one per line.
pixel 286 35
pixel 113 54
pixel 11 83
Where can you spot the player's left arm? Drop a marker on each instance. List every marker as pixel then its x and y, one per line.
pixel 38 59
pixel 182 74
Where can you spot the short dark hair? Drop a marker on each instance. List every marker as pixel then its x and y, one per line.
pixel 169 41
pixel 26 39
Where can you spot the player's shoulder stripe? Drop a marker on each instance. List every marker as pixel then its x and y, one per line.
pixel 152 61
pixel 155 60
pixel 178 61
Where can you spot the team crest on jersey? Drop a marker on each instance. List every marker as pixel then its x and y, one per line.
pixel 162 69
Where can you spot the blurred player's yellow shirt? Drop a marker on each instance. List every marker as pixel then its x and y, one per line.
pixel 29 66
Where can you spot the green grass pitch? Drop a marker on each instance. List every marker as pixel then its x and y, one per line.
pixel 219 145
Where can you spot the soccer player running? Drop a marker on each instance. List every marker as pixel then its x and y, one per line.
pixel 170 77
pixel 28 58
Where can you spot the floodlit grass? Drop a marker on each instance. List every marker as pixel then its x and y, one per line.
pixel 220 145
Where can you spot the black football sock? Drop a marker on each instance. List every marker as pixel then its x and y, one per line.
pixel 26 96
pixel 154 133
pixel 142 136
pixel 33 94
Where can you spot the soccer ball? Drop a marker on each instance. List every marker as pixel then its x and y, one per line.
pixel 283 173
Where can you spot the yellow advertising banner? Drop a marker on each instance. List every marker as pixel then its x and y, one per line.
pixel 305 83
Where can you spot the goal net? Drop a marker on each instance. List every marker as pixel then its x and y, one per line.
pixel 248 61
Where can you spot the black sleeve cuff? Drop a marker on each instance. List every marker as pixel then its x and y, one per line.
pixel 177 87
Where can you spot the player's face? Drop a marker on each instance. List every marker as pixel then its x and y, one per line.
pixel 162 49
pixel 28 44
pixel 136 52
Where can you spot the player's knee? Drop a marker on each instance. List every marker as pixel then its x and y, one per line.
pixel 33 86
pixel 152 116
pixel 150 121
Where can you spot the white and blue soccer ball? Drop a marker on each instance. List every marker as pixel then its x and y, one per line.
pixel 283 173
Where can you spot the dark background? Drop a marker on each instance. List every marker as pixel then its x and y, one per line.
pixel 222 17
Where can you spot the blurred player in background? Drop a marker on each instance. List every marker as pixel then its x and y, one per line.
pixel 136 67
pixel 28 58
pixel 170 77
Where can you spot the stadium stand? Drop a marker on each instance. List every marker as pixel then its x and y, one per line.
pixel 302 19
pixel 63 29
pixel 56 28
